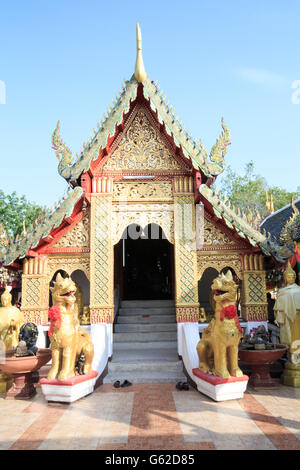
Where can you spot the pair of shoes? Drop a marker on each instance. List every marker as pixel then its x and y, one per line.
pixel 126 383
pixel 182 386
pixel 118 384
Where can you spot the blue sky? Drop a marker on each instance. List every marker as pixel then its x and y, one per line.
pixel 66 60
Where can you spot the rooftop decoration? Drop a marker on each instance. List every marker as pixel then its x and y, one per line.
pixel 18 248
pixel 211 165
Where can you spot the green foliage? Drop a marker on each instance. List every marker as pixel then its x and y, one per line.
pixel 249 190
pixel 15 210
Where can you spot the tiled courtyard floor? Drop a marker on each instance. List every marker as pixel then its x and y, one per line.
pixel 154 417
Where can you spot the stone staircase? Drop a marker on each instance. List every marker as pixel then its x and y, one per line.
pixel 145 344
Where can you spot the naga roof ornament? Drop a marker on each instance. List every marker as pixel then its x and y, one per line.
pixel 63 152
pixel 10 250
pixel 289 231
pixel 244 226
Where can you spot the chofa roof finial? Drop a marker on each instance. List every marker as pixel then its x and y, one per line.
pixel 140 72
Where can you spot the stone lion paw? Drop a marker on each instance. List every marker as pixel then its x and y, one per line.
pixel 222 373
pixel 62 375
pixel 51 375
pixel 237 373
pixel 203 367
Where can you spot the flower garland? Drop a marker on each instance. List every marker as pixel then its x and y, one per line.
pixel 55 318
pixel 230 312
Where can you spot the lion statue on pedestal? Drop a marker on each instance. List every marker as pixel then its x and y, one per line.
pixel 68 341
pixel 218 348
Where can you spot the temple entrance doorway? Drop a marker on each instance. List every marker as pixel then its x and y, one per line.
pixel 144 264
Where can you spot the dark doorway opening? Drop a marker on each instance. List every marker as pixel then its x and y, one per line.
pixel 144 264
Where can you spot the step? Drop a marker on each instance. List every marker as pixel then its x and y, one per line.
pixel 144 377
pixel 146 303
pixel 161 366
pixel 144 337
pixel 147 319
pixel 125 346
pixel 158 311
pixel 140 328
pixel 145 355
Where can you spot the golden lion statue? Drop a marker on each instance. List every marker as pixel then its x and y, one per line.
pixel 68 341
pixel 11 319
pixel 218 348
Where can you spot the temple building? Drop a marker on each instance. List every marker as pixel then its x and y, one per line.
pixel 141 220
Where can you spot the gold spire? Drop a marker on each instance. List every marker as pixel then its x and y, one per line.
pixel 269 203
pixel 140 72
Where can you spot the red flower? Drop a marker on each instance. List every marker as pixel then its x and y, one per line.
pixel 230 312
pixel 55 318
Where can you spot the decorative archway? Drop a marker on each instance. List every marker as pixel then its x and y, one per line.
pixel 144 264
pixel 124 215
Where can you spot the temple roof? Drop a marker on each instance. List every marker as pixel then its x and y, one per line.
pixel 211 165
pixel 276 221
pixel 246 226
pixel 18 248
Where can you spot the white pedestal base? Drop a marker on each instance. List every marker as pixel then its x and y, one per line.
pixel 220 389
pixel 69 390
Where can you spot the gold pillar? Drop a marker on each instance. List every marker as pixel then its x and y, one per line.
pixel 186 291
pixel 101 252
pixel 35 290
pixel 254 297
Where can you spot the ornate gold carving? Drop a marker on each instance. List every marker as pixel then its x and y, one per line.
pixel 219 262
pixel 142 215
pixel 254 295
pixel 255 312
pixel 37 265
pixel 69 264
pixel 187 314
pixel 78 236
pixel 34 292
pixel 214 236
pixel 39 317
pixel 101 315
pixel 149 191
pixel 141 148
pixel 101 259
pixel 102 185
pixel 183 184
pixel 185 256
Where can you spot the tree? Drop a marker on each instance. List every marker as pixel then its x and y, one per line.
pixel 249 190
pixel 14 211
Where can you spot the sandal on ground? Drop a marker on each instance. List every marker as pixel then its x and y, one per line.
pixel 179 385
pixel 117 384
pixel 182 386
pixel 126 383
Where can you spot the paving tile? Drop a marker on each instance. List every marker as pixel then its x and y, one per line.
pixel 154 416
